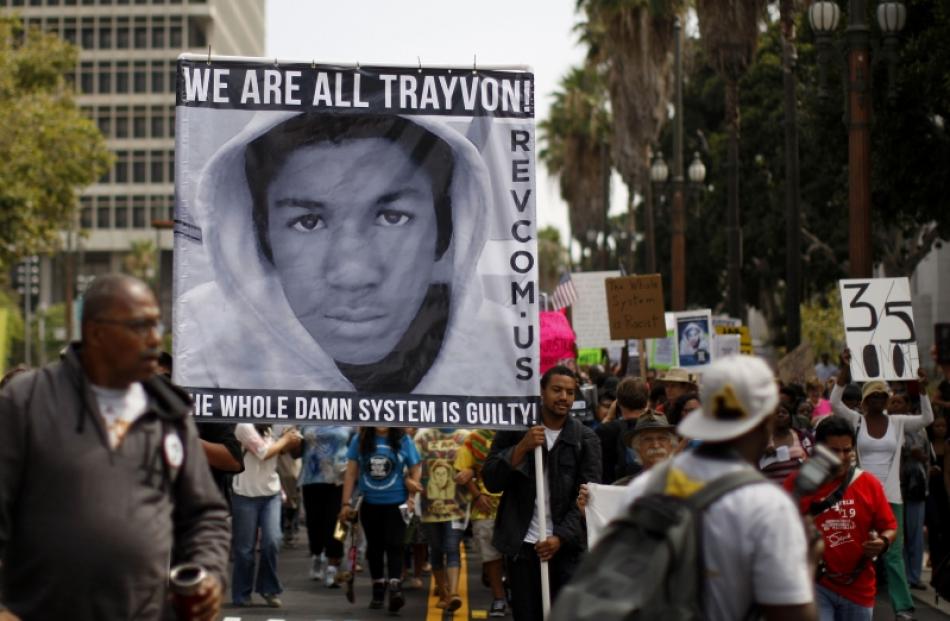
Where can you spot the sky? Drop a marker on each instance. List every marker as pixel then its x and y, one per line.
pixel 537 33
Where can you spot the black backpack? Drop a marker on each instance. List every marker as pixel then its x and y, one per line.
pixel 648 565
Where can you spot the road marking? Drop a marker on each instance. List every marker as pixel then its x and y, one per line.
pixel 437 614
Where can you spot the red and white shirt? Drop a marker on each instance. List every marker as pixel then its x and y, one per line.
pixel 845 527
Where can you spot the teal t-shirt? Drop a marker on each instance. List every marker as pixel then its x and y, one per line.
pixel 382 471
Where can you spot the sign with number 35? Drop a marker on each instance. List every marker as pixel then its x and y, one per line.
pixel 879 327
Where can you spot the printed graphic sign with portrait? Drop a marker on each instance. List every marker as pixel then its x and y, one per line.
pixel 879 328
pixel 355 245
pixel 694 338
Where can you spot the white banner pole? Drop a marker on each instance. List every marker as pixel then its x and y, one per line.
pixel 542 527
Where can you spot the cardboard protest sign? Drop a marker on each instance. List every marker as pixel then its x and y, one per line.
pixel 797 366
pixel 635 307
pixel 355 245
pixel 879 328
pixel 694 338
pixel 589 312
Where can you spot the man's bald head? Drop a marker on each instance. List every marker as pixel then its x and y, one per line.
pixel 107 290
pixel 121 331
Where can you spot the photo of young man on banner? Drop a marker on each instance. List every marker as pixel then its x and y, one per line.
pixel 349 252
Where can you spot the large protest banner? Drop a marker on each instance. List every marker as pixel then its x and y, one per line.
pixel 355 245
pixel 879 328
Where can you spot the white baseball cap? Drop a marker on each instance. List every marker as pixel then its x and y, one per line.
pixel 738 392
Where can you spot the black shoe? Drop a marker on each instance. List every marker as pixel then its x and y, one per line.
pixel 379 595
pixel 918 586
pixel 396 599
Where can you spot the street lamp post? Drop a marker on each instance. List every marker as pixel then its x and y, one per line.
pixel 678 216
pixel 659 173
pixel 824 16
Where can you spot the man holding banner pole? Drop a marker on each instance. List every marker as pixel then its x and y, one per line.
pixel 539 528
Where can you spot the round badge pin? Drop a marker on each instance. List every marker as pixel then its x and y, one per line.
pixel 174 451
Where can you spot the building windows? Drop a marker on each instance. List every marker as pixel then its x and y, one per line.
pixel 140 79
pixel 105 78
pixel 158 124
pixel 174 37
pixel 122 37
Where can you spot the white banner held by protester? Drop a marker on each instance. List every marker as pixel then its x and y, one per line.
pixel 879 328
pixel 355 245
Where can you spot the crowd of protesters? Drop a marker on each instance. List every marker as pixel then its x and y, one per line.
pixel 417 493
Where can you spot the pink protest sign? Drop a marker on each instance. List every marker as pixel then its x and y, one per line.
pixel 557 339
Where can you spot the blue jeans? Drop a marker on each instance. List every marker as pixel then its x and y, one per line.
pixel 833 607
pixel 914 539
pixel 249 514
pixel 443 544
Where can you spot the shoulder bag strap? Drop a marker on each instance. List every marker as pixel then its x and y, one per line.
pixel 721 486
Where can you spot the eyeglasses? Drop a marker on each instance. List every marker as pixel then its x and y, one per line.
pixel 142 327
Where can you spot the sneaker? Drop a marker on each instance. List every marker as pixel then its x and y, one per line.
pixel 905 615
pixel 273 601
pixel 379 594
pixel 330 578
pixel 455 602
pixel 498 608
pixel 316 568
pixel 918 586
pixel 396 599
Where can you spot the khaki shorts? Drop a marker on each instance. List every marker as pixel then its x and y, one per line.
pixel 481 536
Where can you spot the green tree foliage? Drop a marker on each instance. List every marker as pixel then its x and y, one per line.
pixel 822 324
pixel 49 150
pixel 552 258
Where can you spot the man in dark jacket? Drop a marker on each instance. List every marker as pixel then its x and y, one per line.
pixel 633 396
pixel 571 458
pixel 103 482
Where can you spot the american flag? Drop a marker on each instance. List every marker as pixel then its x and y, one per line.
pixel 564 294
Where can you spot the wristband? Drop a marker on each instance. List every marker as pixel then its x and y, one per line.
pixel 887 545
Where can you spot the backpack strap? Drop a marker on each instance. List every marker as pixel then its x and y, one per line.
pixel 717 488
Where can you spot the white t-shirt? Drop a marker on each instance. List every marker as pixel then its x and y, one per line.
pixel 754 545
pixel 260 477
pixel 877 454
pixel 120 408
pixel 534 528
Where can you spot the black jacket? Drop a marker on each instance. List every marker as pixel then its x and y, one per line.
pixel 86 532
pixel 574 459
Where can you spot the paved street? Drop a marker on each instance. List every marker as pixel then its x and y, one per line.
pixel 306 600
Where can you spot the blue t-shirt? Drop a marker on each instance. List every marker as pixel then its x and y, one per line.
pixel 382 471
pixel 324 455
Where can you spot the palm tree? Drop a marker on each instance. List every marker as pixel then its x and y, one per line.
pixel 573 136
pixel 730 32
pixel 633 41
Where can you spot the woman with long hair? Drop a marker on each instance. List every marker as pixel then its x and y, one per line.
pixel 384 464
pixel 255 504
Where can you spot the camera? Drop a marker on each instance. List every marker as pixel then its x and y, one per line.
pixel 817 470
pixel 586 404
